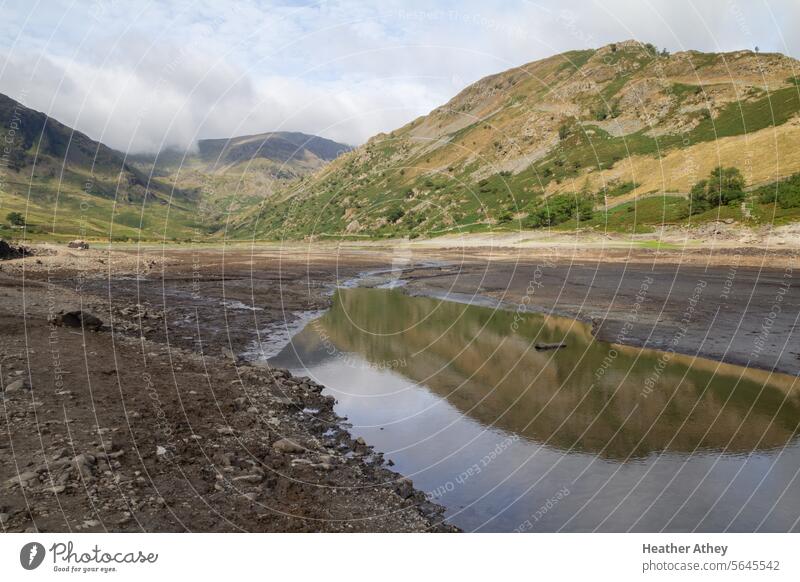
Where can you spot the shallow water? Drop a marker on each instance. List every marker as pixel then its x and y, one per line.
pixel 588 437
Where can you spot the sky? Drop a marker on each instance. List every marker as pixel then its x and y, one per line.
pixel 142 76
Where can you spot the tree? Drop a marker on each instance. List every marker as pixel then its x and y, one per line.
pixel 724 186
pixel 757 49
pixel 561 208
pixel 15 219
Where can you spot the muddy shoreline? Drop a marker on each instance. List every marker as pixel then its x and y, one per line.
pixel 157 422
pixel 732 313
pixel 144 425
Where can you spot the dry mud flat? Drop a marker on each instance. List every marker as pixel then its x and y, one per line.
pixel 121 429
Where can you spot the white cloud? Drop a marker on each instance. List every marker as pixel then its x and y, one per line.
pixel 168 73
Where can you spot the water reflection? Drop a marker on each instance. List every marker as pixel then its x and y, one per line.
pixel 461 400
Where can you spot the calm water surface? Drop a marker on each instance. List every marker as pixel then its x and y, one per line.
pixel 588 437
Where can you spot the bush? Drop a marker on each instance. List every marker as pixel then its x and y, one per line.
pixel 395 214
pixel 785 194
pixel 561 208
pixel 15 219
pixel 505 218
pixel 724 186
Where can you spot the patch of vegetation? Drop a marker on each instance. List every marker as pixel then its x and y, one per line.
pixel 724 187
pixel 559 209
pixel 640 216
pixel 576 59
pixel 620 189
pixel 786 193
pixel 15 219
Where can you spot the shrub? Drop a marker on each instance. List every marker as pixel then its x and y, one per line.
pixel 15 219
pixel 395 214
pixel 561 208
pixel 724 186
pixel 504 218
pixel 785 194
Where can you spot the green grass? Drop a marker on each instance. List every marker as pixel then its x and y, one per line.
pixel 639 216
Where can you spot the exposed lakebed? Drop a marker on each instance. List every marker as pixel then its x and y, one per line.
pixel 591 436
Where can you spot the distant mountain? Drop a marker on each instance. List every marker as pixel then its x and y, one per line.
pixel 570 140
pixel 296 152
pixel 70 185
pixel 284 147
pixel 237 173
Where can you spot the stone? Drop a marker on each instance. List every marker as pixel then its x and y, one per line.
pixel 22 478
pixel 18 385
pixel 249 478
pixel 287 446
pixel 77 318
pixel 404 487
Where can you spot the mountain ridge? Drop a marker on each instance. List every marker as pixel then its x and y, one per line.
pixel 68 184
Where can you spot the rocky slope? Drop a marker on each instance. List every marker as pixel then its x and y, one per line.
pixel 608 124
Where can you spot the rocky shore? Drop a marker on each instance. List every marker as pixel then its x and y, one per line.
pixel 115 428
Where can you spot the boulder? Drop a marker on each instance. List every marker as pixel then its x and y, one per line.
pixel 9 251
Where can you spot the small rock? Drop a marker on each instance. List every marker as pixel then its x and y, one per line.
pixel 404 487
pixel 287 446
pixel 252 410
pixel 249 478
pixel 225 430
pixel 21 479
pixel 18 385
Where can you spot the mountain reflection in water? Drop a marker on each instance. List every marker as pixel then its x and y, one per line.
pixel 599 436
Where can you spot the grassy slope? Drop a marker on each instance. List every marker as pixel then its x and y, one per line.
pixel 463 176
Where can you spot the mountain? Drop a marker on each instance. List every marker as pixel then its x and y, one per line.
pixel 613 137
pixel 69 185
pixel 284 147
pixel 240 172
